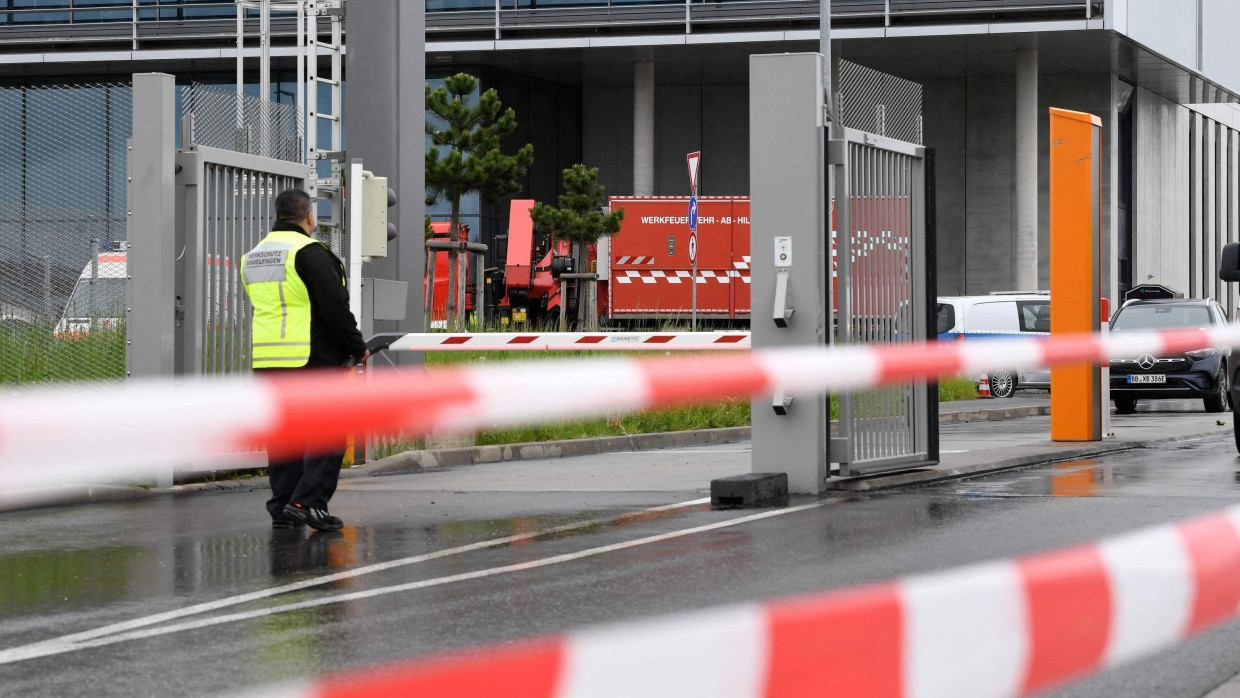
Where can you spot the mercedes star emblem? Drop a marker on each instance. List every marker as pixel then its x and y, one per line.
pixel 1146 361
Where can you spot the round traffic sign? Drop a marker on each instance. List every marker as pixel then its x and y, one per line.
pixel 693 213
pixel 693 248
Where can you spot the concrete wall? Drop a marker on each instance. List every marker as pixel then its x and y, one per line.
pixel 1161 240
pixel 944 130
pixel 710 118
pixel 1091 94
pixel 1212 205
pixel 970 123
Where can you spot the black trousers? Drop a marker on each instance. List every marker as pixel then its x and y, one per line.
pixel 309 480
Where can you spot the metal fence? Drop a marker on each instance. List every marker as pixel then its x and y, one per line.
pixel 63 221
pixel 247 125
pixel 62 231
pixel 881 287
pixel 879 103
pixel 226 196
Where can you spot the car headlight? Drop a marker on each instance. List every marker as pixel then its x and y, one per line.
pixel 1201 353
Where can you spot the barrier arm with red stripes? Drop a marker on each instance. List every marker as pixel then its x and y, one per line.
pixel 1007 628
pixel 560 341
pixel 135 430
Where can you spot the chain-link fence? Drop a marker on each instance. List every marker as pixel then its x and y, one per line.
pixel 879 103
pixel 63 215
pixel 62 231
pixel 249 125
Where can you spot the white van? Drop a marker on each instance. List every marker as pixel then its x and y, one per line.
pixel 98 298
pixel 962 318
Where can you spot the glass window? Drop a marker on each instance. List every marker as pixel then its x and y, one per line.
pixel 997 316
pixel 945 318
pixel 102 298
pixel 1035 316
pixel 1158 317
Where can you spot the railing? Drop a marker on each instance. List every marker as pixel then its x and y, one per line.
pixel 498 18
pixel 138 24
pixel 135 24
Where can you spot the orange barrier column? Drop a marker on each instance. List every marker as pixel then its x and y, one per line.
pixel 1076 262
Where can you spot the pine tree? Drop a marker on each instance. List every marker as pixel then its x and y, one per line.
pixel 580 219
pixel 468 131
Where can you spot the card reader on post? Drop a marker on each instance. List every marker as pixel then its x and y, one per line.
pixel 783 307
pixel 783 271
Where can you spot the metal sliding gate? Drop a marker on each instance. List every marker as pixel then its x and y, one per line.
pixel 225 204
pixel 880 288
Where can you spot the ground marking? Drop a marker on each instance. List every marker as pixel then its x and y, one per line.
pixel 17 653
pixel 64 645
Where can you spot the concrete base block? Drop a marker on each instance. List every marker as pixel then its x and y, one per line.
pixel 743 491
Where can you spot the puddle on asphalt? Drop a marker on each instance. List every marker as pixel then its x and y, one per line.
pixel 35 582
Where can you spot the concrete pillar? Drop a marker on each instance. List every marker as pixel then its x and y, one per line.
pixel 150 310
pixel 789 213
pixel 643 123
pixel 1026 161
pixel 386 107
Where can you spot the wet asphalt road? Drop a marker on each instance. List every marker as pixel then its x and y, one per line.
pixel 72 570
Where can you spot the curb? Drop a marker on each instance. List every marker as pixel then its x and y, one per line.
pixel 420 461
pixel 993 415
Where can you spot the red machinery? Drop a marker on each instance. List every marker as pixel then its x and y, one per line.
pixel 646 274
pixel 439 313
pixel 649 273
pixel 532 270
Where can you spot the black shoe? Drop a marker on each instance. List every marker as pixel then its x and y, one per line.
pixel 318 519
pixel 285 523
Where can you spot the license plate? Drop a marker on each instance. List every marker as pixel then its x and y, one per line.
pixel 1152 378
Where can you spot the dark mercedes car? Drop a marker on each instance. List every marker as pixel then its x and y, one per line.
pixel 1201 373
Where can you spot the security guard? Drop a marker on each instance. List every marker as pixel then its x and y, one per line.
pixel 301 322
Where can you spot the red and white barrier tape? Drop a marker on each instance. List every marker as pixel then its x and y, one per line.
pixel 1007 628
pixel 571 341
pixel 138 429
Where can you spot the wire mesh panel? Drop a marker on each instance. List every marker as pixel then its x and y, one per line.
pixel 231 201
pixel 246 125
pixel 62 231
pixel 879 103
pixel 881 294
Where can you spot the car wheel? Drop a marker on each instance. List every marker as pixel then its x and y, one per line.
pixel 1002 383
pixel 1218 401
pixel 1126 405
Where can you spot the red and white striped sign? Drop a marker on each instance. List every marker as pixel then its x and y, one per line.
pixel 138 429
pixel 678 276
pixel 572 341
pixel 1006 628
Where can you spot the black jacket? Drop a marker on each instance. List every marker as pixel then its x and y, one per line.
pixel 334 337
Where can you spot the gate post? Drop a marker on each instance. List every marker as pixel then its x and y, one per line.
pixel 788 246
pixel 1076 263
pixel 150 310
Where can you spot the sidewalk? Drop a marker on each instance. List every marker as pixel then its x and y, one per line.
pixel 970 448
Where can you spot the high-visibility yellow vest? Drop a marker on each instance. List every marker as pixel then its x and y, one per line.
pixel 280 331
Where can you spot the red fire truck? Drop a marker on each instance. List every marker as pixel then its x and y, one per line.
pixel 645 272
pixel 649 275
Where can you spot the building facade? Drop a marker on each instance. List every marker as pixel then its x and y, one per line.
pixel 630 86
pixel 1162 74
